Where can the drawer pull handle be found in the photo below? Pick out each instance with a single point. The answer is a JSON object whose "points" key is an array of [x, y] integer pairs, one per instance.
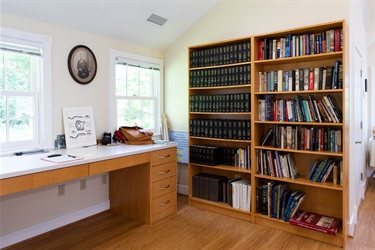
{"points": [[165, 172], [165, 156], [165, 203], [162, 188]]}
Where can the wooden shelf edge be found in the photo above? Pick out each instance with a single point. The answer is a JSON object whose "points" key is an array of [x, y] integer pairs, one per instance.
{"points": [[301, 92], [300, 151], [221, 66], [332, 124], [237, 86], [224, 167], [307, 58], [219, 139], [221, 208], [303, 181], [337, 240]]}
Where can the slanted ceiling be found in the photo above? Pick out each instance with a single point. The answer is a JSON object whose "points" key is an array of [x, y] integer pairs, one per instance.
{"points": [[118, 19]]}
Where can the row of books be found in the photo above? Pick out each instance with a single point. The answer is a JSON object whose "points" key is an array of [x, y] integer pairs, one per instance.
{"points": [[276, 164], [299, 110], [321, 170], [316, 222], [300, 45], [302, 79], [276, 200], [320, 139], [221, 129], [237, 102], [220, 55], [224, 76], [235, 192], [213, 155]]}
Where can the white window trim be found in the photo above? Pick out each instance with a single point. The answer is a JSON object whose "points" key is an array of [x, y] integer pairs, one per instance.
{"points": [[136, 59], [45, 42]]}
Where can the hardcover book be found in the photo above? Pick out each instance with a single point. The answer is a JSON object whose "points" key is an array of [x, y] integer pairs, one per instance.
{"points": [[317, 222]]}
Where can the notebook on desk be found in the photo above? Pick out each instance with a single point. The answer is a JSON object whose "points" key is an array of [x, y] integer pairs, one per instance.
{"points": [[61, 158]]}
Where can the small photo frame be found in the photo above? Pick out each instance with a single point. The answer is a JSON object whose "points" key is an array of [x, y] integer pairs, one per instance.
{"points": [[79, 127], [82, 64]]}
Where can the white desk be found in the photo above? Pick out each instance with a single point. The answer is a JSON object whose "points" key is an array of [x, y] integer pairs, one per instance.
{"points": [[142, 179]]}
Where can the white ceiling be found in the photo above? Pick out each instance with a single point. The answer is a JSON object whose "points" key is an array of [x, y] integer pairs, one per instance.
{"points": [[118, 19]]}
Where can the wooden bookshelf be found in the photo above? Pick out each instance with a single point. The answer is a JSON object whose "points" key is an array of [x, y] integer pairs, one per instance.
{"points": [[326, 198], [219, 77]]}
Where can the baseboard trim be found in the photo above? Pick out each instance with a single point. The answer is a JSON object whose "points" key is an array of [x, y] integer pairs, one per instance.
{"points": [[182, 189], [32, 231], [352, 222]]}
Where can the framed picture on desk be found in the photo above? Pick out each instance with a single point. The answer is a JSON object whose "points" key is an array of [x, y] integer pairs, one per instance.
{"points": [[79, 127]]}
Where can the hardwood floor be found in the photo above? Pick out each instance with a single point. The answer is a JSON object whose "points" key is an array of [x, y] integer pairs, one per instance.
{"points": [[192, 228]]}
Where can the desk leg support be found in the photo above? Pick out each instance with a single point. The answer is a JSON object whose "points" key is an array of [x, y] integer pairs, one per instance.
{"points": [[129, 192]]}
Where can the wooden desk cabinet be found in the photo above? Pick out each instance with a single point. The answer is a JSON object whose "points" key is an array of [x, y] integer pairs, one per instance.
{"points": [[147, 191]]}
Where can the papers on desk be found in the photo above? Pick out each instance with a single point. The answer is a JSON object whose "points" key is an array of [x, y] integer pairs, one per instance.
{"points": [[61, 158]]}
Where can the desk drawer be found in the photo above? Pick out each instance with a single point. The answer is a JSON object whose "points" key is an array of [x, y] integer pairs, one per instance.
{"points": [[162, 187], [163, 171], [164, 202], [118, 163], [163, 156]]}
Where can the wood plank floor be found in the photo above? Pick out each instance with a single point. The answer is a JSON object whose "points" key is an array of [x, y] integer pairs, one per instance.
{"points": [[191, 228]]}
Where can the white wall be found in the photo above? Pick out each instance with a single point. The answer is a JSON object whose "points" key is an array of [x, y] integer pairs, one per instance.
{"points": [[22, 210]]}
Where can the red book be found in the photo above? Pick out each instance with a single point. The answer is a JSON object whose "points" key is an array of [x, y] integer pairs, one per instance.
{"points": [[337, 40], [260, 50], [317, 222], [311, 79]]}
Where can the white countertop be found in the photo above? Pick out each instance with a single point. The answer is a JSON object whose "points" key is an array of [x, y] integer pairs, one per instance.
{"points": [[12, 166]]}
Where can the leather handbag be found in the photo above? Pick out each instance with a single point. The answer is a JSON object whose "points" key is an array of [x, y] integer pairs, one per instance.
{"points": [[136, 135]]}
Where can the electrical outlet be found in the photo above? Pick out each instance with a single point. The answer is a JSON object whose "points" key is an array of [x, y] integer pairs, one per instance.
{"points": [[61, 190], [82, 184], [104, 179]]}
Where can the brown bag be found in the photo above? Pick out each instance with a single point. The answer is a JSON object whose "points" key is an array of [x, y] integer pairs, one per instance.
{"points": [[136, 135]]}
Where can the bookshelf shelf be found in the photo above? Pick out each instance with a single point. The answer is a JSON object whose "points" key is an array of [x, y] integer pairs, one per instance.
{"points": [[218, 139], [303, 181], [301, 123], [221, 66], [225, 168], [300, 59], [309, 152], [302, 92], [273, 82]]}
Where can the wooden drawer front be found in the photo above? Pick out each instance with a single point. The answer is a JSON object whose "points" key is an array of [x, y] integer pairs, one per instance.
{"points": [[163, 171], [162, 187], [164, 202], [30, 181], [118, 163], [163, 156]]}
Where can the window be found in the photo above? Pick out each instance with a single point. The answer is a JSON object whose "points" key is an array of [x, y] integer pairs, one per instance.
{"points": [[136, 91], [25, 101]]}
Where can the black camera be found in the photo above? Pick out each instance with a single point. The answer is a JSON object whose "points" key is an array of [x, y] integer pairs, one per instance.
{"points": [[106, 138]]}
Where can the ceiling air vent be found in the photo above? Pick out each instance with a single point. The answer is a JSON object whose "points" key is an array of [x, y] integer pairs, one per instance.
{"points": [[157, 19]]}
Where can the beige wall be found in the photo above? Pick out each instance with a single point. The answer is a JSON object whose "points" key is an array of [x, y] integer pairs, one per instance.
{"points": [[65, 91]]}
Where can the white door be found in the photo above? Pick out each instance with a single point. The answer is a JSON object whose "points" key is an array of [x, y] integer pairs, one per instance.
{"points": [[356, 167]]}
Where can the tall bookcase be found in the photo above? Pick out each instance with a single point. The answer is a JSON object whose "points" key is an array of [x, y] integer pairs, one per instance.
{"points": [[219, 101], [324, 198], [274, 93]]}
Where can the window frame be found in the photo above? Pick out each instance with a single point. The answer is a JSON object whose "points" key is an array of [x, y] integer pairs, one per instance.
{"points": [[44, 131], [136, 60]]}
